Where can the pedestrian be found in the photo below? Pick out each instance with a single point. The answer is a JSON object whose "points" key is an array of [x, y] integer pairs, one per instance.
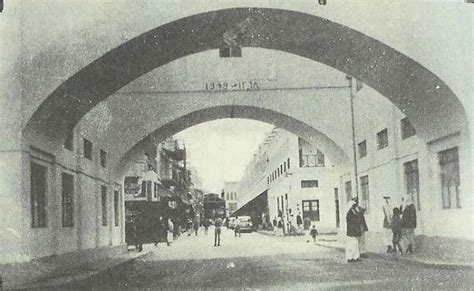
{"points": [[314, 233], [170, 232], [396, 231], [189, 226], [306, 223], [237, 229], [206, 225], [363, 225], [408, 223], [161, 234], [196, 225], [299, 220], [354, 231], [387, 223], [139, 226], [217, 231]]}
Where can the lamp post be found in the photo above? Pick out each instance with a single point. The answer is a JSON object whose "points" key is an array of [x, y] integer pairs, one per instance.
{"points": [[354, 146], [285, 210]]}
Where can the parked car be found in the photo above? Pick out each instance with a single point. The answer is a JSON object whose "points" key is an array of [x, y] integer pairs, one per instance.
{"points": [[231, 223], [245, 223]]}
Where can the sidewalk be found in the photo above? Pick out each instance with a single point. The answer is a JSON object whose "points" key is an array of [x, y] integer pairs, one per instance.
{"points": [[427, 258], [64, 274]]}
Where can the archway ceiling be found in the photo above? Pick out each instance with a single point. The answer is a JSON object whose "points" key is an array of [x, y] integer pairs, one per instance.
{"points": [[416, 91]]}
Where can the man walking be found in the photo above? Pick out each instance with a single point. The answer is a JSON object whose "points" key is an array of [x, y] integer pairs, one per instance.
{"points": [[408, 223], [206, 226], [360, 212], [217, 232], [196, 225], [387, 223]]}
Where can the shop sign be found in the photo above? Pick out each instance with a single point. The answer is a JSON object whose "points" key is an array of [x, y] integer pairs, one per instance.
{"points": [[132, 186]]}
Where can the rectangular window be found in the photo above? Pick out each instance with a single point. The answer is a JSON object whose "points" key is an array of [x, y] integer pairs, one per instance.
{"points": [[288, 163], [362, 149], [336, 202], [155, 190], [450, 182], [268, 180], [69, 142], [364, 187], [348, 188], [103, 158], [284, 166], [313, 160], [311, 209], [148, 190], [278, 172], [67, 182], [407, 130], [104, 205], [87, 149], [116, 208], [143, 194], [230, 52], [382, 139], [309, 183], [281, 169], [38, 195], [278, 206], [319, 159], [412, 183]]}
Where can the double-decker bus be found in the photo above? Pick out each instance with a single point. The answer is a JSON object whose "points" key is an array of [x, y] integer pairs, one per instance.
{"points": [[213, 206]]}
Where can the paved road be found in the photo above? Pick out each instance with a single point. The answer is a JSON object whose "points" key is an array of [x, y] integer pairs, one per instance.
{"points": [[255, 261]]}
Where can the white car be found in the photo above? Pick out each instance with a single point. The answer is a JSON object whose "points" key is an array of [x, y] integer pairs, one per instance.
{"points": [[245, 223]]}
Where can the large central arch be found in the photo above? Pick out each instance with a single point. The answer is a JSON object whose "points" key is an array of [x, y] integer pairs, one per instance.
{"points": [[420, 94]]}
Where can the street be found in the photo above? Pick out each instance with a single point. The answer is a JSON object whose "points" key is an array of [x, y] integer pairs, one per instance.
{"points": [[257, 261]]}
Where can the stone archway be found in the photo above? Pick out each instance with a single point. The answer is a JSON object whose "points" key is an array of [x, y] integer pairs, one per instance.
{"points": [[420, 94]]}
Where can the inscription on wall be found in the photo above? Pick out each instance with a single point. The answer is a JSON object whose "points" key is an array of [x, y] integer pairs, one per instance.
{"points": [[231, 86]]}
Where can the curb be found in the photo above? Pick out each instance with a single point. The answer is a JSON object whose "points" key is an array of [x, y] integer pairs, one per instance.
{"points": [[407, 259], [76, 277]]}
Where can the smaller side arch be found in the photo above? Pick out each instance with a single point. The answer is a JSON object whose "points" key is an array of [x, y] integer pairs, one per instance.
{"points": [[333, 151]]}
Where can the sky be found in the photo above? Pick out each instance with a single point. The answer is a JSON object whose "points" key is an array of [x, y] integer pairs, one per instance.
{"points": [[221, 149]]}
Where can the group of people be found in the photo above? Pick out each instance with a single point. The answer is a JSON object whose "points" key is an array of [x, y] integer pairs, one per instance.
{"points": [[399, 223], [196, 223]]}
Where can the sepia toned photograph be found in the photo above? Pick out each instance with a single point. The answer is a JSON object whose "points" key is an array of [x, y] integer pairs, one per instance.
{"points": [[236, 145]]}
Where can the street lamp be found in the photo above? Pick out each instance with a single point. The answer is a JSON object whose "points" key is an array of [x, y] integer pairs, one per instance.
{"points": [[285, 215]]}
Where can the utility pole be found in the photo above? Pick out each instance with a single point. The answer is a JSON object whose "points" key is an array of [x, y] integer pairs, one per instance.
{"points": [[354, 146]]}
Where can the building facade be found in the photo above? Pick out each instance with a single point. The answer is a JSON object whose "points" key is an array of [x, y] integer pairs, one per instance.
{"points": [[296, 179], [393, 161], [230, 197]]}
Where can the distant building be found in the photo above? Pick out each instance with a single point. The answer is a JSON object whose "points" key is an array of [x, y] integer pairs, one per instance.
{"points": [[195, 178], [230, 197]]}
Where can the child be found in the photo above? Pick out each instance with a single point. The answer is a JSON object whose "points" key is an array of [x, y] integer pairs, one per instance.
{"points": [[314, 233], [397, 231]]}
